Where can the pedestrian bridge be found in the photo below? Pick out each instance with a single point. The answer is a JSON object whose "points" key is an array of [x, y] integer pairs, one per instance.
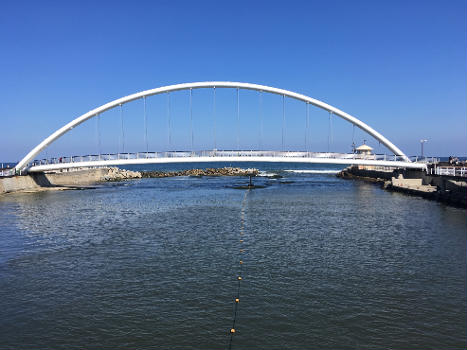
{"points": [[396, 159], [223, 156]]}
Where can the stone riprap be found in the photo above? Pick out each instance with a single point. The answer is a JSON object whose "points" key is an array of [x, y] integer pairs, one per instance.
{"points": [[226, 171], [117, 174]]}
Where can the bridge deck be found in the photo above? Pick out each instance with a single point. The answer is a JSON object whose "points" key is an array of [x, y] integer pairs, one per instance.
{"points": [[221, 156]]}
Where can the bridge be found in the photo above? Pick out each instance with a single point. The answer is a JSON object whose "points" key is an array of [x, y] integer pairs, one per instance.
{"points": [[396, 159]]}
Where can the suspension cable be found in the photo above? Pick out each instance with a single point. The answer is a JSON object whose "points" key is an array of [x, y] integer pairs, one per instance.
{"points": [[353, 133], [260, 120], [123, 130], [145, 127], [169, 136], [214, 115], [98, 134], [330, 132], [238, 119], [307, 125], [283, 121], [191, 118]]}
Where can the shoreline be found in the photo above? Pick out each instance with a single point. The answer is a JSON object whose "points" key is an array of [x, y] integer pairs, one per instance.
{"points": [[446, 189], [87, 178]]}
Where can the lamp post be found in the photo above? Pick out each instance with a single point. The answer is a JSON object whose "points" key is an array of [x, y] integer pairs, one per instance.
{"points": [[421, 144]]}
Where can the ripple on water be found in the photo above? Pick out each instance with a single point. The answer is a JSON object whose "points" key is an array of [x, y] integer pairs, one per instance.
{"points": [[329, 263]]}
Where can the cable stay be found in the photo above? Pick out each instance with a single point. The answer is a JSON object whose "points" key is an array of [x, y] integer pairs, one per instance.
{"points": [[122, 129], [98, 135], [169, 136], [191, 119], [214, 115], [238, 119], [145, 127], [307, 125], [330, 132], [260, 95], [354, 147], [283, 121]]}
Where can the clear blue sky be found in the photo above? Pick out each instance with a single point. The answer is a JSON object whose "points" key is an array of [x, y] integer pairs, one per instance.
{"points": [[400, 66]]}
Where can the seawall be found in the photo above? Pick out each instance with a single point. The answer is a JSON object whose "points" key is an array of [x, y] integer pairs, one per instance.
{"points": [[447, 189], [63, 180]]}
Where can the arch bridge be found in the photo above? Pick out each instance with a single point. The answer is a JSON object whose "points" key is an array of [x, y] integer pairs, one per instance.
{"points": [[397, 159]]}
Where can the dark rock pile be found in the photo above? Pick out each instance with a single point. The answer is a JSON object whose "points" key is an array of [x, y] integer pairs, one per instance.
{"points": [[226, 171]]}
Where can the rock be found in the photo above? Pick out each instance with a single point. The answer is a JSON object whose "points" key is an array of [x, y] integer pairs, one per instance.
{"points": [[116, 174], [226, 171]]}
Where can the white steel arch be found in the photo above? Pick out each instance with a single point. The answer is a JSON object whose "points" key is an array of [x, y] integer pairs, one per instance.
{"points": [[208, 84]]}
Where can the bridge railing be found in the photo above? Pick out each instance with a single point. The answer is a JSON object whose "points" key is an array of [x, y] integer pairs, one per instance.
{"points": [[450, 171], [423, 159], [7, 172], [225, 153]]}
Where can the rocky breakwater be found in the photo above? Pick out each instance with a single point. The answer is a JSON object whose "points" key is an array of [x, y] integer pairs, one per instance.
{"points": [[116, 174], [226, 171]]}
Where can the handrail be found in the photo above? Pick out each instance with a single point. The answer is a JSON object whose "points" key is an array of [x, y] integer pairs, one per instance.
{"points": [[224, 153]]}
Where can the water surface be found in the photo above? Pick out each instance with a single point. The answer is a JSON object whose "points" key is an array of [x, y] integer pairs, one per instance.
{"points": [[152, 263]]}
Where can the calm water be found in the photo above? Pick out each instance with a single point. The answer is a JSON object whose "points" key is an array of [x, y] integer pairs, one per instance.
{"points": [[152, 263]]}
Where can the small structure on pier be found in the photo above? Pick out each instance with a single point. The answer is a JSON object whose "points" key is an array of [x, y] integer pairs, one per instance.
{"points": [[364, 149], [366, 152]]}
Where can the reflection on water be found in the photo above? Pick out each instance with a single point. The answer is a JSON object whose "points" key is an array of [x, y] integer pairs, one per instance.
{"points": [[151, 263]]}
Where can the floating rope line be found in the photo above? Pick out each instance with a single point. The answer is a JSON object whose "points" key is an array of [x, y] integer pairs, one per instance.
{"points": [[240, 261]]}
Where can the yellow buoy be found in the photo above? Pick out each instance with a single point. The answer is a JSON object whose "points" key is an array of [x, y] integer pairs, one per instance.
{"points": [[241, 262], [237, 300], [232, 330], [239, 278]]}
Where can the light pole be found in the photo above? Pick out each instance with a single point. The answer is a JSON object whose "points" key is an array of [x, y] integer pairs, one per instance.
{"points": [[421, 144]]}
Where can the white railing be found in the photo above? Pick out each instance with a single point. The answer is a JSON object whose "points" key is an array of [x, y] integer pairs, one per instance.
{"points": [[451, 171], [7, 172], [222, 153]]}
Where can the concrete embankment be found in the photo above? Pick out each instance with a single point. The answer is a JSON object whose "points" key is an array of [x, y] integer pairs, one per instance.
{"points": [[34, 182], [447, 189]]}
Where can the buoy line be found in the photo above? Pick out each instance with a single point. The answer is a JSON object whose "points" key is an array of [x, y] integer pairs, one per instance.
{"points": [[240, 263]]}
